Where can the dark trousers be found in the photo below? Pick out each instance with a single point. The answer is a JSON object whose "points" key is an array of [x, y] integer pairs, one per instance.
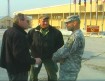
{"points": [[51, 68], [18, 77]]}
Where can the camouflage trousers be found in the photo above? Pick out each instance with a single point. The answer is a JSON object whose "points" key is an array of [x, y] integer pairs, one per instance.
{"points": [[68, 76]]}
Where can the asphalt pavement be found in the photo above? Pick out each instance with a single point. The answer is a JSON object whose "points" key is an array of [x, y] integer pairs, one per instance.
{"points": [[93, 65]]}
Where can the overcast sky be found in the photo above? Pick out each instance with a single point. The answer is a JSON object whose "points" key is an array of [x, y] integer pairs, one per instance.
{"points": [[18, 5]]}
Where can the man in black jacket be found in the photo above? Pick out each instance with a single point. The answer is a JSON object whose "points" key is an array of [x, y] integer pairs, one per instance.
{"points": [[44, 41], [15, 56]]}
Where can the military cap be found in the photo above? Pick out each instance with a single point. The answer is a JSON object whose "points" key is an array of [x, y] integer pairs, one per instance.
{"points": [[43, 16], [72, 18]]}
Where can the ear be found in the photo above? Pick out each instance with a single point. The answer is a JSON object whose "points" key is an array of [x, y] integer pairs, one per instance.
{"points": [[75, 22], [39, 21]]}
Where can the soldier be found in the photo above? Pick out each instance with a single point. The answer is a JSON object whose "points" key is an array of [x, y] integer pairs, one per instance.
{"points": [[70, 55]]}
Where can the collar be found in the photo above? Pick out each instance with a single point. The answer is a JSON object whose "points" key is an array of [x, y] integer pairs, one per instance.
{"points": [[19, 28]]}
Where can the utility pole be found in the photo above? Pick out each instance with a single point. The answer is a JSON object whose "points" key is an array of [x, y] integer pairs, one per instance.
{"points": [[8, 7], [8, 20]]}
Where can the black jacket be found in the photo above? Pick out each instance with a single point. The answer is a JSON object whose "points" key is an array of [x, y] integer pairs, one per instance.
{"points": [[15, 56], [44, 46]]}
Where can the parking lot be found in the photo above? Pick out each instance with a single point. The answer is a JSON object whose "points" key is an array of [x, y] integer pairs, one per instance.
{"points": [[93, 65]]}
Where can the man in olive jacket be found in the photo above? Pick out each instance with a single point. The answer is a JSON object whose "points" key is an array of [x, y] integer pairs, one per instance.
{"points": [[15, 56], [45, 40]]}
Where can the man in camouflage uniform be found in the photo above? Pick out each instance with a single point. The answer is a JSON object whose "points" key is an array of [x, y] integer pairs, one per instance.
{"points": [[70, 55]]}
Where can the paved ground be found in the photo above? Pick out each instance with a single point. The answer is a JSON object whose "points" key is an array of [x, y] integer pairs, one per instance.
{"points": [[93, 65]]}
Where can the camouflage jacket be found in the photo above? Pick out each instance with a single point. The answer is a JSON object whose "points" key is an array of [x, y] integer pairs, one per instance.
{"points": [[70, 55]]}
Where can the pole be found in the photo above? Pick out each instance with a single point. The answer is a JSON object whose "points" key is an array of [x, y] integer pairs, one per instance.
{"points": [[85, 14], [75, 10], [102, 15], [90, 11], [8, 7], [79, 8], [51, 18], [85, 19], [96, 11], [75, 7], [8, 13], [70, 8]]}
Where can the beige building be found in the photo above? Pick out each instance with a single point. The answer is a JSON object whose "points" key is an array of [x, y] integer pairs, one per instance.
{"points": [[6, 22], [92, 14]]}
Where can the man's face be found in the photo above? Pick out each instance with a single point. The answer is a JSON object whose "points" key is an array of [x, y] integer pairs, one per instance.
{"points": [[24, 23], [44, 23], [70, 26]]}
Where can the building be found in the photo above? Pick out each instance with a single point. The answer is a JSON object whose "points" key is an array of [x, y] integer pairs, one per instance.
{"points": [[91, 14], [6, 22]]}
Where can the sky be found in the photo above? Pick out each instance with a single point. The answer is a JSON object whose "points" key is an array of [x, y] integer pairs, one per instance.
{"points": [[19, 5]]}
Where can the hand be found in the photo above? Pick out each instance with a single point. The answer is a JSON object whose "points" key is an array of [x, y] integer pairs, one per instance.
{"points": [[38, 60]]}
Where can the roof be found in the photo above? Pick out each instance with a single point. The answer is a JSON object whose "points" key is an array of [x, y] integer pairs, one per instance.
{"points": [[6, 18], [65, 8]]}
